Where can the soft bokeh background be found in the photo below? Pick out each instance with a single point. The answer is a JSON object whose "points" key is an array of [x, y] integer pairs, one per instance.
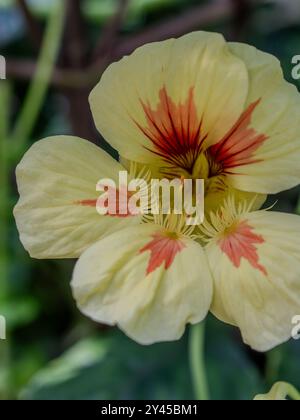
{"points": [[52, 352]]}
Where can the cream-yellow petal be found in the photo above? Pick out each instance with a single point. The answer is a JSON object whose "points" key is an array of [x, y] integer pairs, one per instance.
{"points": [[256, 269], [269, 160], [149, 283], [170, 96], [56, 214]]}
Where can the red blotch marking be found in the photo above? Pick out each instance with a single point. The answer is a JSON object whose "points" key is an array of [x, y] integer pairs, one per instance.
{"points": [[241, 244], [118, 199], [163, 250], [239, 145], [174, 130]]}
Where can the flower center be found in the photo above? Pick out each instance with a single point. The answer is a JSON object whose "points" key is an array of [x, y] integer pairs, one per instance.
{"points": [[177, 135]]}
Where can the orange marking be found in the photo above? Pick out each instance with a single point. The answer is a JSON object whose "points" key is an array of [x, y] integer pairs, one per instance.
{"points": [[163, 250], [241, 244]]}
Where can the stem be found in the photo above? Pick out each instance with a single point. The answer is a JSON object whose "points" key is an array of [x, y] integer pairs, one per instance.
{"points": [[39, 85], [274, 359], [197, 364]]}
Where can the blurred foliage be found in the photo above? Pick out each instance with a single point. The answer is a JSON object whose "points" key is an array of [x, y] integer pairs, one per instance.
{"points": [[52, 352], [118, 368]]}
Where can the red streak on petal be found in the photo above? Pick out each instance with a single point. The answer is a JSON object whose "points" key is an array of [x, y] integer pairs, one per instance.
{"points": [[163, 250], [117, 198], [239, 145], [174, 130], [241, 244], [87, 203]]}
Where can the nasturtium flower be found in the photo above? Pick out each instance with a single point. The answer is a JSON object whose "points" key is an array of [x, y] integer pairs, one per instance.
{"points": [[191, 108], [281, 391]]}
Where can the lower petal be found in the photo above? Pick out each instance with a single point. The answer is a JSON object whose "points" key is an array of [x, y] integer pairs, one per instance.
{"points": [[257, 277], [146, 281]]}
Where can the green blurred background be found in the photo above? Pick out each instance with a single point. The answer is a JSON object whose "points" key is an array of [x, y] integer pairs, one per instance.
{"points": [[51, 351]]}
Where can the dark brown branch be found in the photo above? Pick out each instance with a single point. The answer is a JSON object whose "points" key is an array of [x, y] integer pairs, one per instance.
{"points": [[74, 55], [109, 34], [241, 14], [33, 27], [63, 78], [75, 45], [196, 18]]}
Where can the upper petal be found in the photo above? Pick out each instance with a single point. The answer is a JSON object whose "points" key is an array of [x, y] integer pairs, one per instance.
{"points": [[146, 280], [167, 98], [262, 155], [56, 214], [257, 276]]}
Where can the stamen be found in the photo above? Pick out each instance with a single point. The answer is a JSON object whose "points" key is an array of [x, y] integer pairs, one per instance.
{"points": [[175, 223], [226, 217], [230, 230]]}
